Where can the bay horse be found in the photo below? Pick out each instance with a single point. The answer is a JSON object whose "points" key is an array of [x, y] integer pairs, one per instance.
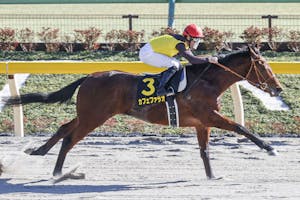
{"points": [[102, 95]]}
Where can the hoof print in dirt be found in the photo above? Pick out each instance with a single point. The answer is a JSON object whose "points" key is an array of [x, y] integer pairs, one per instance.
{"points": [[68, 175]]}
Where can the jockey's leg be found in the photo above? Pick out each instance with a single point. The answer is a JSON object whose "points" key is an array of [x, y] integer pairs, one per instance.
{"points": [[166, 76]]}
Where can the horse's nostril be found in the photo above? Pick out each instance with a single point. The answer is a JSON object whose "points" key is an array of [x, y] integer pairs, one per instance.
{"points": [[277, 91]]}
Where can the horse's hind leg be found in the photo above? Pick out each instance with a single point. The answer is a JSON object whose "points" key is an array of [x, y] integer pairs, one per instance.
{"points": [[62, 132], [70, 140]]}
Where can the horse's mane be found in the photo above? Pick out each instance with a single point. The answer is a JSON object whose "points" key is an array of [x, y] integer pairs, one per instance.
{"points": [[225, 58], [222, 58]]}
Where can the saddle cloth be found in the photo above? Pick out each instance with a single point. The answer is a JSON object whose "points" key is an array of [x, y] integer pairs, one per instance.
{"points": [[147, 87], [146, 93]]}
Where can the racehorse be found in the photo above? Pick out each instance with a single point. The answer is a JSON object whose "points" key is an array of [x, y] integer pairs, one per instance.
{"points": [[102, 95]]}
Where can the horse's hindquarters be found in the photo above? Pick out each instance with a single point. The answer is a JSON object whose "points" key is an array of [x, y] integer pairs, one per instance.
{"points": [[103, 95]]}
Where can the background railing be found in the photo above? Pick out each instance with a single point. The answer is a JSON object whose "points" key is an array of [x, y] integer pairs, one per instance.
{"points": [[140, 1], [149, 23]]}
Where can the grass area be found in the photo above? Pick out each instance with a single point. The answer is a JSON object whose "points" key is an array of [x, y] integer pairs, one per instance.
{"points": [[3, 79], [47, 118], [282, 56], [156, 8]]}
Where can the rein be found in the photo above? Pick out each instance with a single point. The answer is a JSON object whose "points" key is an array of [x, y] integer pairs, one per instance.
{"points": [[201, 74], [262, 84]]}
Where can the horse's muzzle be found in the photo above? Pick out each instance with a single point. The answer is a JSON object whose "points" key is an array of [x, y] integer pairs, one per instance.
{"points": [[275, 91]]}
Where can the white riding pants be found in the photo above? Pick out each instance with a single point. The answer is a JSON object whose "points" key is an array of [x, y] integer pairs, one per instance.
{"points": [[148, 56]]}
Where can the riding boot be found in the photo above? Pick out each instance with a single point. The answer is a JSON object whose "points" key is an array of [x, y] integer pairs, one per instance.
{"points": [[166, 76]]}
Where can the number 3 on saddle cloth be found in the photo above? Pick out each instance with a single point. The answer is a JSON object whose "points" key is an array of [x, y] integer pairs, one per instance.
{"points": [[147, 87]]}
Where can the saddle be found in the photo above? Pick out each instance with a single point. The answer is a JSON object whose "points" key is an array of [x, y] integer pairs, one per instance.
{"points": [[147, 88]]}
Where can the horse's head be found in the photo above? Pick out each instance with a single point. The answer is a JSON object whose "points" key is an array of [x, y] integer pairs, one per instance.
{"points": [[260, 74]]}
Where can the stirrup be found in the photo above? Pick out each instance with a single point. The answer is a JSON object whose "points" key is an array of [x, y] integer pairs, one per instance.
{"points": [[162, 91], [170, 91]]}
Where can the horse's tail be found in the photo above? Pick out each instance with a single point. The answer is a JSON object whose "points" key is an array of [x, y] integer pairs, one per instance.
{"points": [[61, 96]]}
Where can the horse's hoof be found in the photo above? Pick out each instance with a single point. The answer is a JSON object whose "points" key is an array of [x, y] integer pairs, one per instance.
{"points": [[77, 176], [273, 152], [214, 178], [57, 174], [1, 169], [30, 151]]}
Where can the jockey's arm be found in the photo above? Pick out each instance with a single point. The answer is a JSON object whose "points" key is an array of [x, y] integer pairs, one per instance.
{"points": [[187, 54]]}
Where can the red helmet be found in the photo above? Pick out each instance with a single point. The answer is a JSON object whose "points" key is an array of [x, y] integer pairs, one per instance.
{"points": [[193, 30]]}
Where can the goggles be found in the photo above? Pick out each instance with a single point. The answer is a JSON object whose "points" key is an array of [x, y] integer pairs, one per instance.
{"points": [[196, 42], [195, 39]]}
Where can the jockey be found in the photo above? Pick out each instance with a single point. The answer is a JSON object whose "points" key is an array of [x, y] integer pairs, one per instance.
{"points": [[161, 52]]}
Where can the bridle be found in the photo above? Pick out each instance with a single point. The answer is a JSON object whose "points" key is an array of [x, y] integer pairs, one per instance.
{"points": [[262, 81]]}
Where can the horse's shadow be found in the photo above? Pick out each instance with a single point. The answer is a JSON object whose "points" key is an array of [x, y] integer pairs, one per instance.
{"points": [[6, 188]]}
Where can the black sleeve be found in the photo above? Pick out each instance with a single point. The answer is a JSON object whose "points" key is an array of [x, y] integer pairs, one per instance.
{"points": [[189, 55]]}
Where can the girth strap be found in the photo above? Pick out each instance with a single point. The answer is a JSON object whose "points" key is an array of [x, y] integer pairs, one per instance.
{"points": [[172, 109]]}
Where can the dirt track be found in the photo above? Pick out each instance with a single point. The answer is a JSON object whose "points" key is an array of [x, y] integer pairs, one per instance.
{"points": [[152, 167]]}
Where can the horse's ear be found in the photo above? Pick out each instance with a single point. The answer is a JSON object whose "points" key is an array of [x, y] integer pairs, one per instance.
{"points": [[253, 50], [256, 46], [241, 48]]}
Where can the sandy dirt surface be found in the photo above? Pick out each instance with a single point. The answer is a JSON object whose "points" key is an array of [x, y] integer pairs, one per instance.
{"points": [[152, 167]]}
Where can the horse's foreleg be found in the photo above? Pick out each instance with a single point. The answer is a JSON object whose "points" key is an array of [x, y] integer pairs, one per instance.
{"points": [[1, 168], [222, 122], [62, 132], [259, 142], [203, 134]]}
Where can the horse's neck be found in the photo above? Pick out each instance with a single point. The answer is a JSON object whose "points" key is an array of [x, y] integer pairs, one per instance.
{"points": [[227, 78], [224, 79]]}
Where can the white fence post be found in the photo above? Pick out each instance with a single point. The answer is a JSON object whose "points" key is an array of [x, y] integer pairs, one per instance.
{"points": [[238, 107], [18, 111]]}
